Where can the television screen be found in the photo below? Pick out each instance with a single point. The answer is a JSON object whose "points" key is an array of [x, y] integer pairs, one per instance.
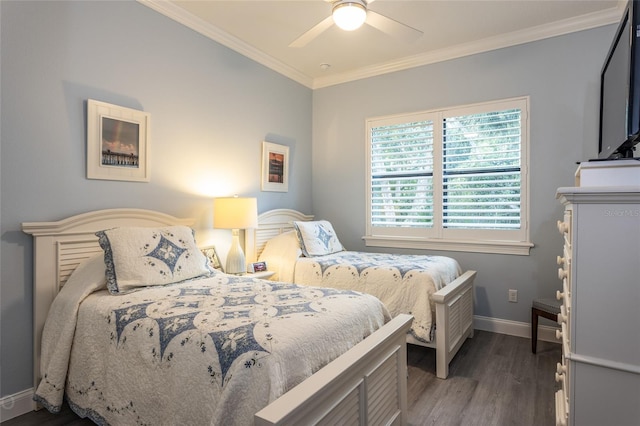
{"points": [[619, 99]]}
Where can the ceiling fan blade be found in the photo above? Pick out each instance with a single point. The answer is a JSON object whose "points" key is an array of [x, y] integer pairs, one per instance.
{"points": [[392, 27], [312, 33]]}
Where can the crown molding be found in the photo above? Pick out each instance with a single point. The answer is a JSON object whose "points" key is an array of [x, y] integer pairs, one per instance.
{"points": [[180, 15], [541, 32]]}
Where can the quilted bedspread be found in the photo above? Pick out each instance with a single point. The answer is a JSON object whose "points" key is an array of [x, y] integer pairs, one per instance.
{"points": [[208, 351], [404, 283]]}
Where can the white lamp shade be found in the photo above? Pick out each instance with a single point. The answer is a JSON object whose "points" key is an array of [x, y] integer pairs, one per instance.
{"points": [[349, 15], [235, 213]]}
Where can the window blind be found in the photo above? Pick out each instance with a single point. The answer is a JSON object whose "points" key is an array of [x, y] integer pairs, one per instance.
{"points": [[453, 178], [402, 175], [481, 171]]}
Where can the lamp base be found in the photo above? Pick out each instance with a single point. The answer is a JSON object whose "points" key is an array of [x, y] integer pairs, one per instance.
{"points": [[236, 263]]}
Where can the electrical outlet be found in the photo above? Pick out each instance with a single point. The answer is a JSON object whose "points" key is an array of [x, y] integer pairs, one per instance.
{"points": [[513, 295]]}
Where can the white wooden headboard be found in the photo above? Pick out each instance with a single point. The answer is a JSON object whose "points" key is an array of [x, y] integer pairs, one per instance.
{"points": [[59, 247], [270, 224]]}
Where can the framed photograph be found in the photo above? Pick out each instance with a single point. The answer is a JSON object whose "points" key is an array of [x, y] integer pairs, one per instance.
{"points": [[212, 255], [257, 267], [117, 142], [275, 167]]}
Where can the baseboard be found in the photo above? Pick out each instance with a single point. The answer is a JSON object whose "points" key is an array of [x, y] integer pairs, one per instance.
{"points": [[16, 405], [514, 328]]}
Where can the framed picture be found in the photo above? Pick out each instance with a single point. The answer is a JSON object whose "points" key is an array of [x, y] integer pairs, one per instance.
{"points": [[275, 167], [117, 142], [212, 255], [257, 267]]}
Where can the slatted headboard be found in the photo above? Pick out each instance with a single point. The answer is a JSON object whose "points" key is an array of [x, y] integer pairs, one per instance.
{"points": [[59, 247], [270, 224]]}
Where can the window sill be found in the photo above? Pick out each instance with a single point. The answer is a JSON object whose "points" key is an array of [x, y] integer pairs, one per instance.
{"points": [[495, 247]]}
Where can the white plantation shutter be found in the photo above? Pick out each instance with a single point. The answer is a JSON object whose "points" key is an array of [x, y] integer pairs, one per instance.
{"points": [[481, 171], [450, 178], [402, 175]]}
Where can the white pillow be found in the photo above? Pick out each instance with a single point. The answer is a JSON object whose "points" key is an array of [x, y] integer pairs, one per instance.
{"points": [[317, 238], [87, 277], [280, 253], [139, 257]]}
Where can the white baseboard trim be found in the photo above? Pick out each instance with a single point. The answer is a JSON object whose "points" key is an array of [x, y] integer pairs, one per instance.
{"points": [[16, 405], [514, 328]]}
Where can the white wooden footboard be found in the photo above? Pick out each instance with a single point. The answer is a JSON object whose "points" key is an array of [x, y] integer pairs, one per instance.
{"points": [[366, 385], [454, 319]]}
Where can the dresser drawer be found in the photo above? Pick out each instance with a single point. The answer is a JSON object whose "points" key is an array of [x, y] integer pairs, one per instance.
{"points": [[562, 415], [564, 296], [564, 226], [563, 376], [563, 335], [563, 316]]}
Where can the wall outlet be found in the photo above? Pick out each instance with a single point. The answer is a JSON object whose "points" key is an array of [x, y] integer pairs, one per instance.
{"points": [[513, 296]]}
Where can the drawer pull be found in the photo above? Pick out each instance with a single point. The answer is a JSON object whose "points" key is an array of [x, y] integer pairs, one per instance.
{"points": [[561, 369], [559, 295], [563, 227], [562, 316], [558, 334], [562, 274], [560, 260], [558, 377]]}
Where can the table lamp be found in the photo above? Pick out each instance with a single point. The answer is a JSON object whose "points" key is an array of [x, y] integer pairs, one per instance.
{"points": [[235, 213]]}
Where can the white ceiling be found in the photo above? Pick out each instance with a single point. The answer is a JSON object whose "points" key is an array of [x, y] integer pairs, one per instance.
{"points": [[262, 30]]}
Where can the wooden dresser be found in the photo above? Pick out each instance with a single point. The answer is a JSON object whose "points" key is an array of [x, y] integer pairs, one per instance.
{"points": [[600, 314]]}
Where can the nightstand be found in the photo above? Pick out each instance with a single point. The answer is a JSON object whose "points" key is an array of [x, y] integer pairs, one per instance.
{"points": [[264, 275]]}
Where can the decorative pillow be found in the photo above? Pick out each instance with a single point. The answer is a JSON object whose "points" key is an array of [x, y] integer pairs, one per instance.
{"points": [[281, 253], [139, 257], [317, 238]]}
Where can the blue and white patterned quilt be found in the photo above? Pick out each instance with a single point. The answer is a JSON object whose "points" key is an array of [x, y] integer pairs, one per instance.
{"points": [[207, 351], [404, 283]]}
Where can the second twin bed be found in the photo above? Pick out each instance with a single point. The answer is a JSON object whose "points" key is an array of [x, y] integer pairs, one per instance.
{"points": [[307, 252]]}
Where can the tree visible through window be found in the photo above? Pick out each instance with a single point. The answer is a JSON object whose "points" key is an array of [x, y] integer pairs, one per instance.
{"points": [[455, 174]]}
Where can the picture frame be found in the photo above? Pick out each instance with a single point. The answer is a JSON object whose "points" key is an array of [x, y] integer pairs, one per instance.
{"points": [[257, 267], [212, 256], [117, 142], [275, 167]]}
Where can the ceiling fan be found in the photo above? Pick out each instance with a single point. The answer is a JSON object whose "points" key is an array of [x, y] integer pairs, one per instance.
{"points": [[350, 15]]}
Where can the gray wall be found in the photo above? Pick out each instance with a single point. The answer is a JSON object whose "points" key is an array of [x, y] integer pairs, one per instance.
{"points": [[210, 108], [561, 76]]}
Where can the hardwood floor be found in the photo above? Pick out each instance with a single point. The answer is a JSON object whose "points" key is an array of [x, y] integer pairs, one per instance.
{"points": [[494, 380]]}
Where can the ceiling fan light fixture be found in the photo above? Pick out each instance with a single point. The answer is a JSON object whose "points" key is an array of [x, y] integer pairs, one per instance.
{"points": [[349, 15]]}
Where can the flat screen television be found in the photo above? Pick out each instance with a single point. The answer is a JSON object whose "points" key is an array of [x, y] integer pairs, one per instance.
{"points": [[620, 89]]}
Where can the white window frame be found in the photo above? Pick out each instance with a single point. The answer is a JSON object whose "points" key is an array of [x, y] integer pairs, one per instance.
{"points": [[437, 238]]}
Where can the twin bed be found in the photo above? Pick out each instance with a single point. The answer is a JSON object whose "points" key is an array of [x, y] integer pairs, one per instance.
{"points": [[433, 289], [213, 348]]}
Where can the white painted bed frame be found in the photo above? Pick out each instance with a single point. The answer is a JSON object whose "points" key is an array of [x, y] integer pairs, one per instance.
{"points": [[367, 384], [454, 302]]}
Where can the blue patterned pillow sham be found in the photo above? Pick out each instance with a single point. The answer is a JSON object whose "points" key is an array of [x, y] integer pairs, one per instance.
{"points": [[139, 257], [317, 238]]}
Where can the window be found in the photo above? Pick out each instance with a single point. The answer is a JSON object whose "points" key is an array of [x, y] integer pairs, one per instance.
{"points": [[450, 179]]}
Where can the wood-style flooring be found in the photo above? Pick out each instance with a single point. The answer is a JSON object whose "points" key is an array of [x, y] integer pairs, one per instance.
{"points": [[494, 380]]}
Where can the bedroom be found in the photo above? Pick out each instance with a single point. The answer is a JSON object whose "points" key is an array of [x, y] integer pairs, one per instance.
{"points": [[211, 108]]}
